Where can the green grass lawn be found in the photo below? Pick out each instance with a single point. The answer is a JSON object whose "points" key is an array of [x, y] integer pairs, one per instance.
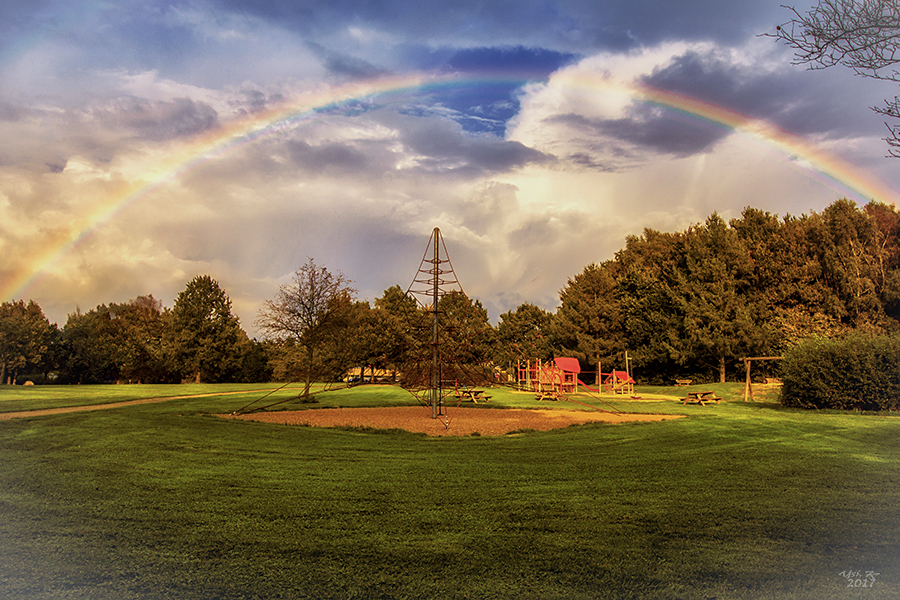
{"points": [[158, 501], [15, 398]]}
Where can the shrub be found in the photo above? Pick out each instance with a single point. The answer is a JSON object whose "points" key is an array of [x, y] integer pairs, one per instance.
{"points": [[857, 372]]}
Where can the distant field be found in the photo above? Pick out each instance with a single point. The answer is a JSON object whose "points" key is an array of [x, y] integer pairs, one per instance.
{"points": [[166, 500]]}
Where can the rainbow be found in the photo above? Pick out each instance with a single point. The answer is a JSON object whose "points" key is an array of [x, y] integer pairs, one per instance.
{"points": [[216, 144]]}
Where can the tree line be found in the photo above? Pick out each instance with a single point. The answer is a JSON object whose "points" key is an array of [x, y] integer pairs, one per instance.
{"points": [[685, 304]]}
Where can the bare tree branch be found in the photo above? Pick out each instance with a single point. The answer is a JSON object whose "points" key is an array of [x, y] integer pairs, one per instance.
{"points": [[862, 35], [307, 309]]}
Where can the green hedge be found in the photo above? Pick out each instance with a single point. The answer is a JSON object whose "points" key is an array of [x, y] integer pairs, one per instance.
{"points": [[858, 372]]}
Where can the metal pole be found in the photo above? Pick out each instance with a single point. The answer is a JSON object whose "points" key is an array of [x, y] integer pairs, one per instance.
{"points": [[435, 359]]}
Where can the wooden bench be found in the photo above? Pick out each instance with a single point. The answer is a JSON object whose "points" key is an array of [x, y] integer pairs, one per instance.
{"points": [[681, 382]]}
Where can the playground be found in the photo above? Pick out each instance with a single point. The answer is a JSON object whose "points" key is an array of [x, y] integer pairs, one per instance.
{"points": [[560, 378]]}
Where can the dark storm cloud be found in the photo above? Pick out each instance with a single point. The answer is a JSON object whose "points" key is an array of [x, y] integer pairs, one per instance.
{"points": [[345, 66], [646, 127], [530, 62], [797, 101], [562, 24], [11, 112], [181, 117], [328, 158], [802, 103], [444, 147]]}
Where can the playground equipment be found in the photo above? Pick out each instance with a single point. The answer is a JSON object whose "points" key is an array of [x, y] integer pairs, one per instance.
{"points": [[619, 382], [445, 356], [559, 378], [550, 381]]}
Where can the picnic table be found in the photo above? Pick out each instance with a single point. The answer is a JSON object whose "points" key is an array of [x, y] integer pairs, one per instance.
{"points": [[701, 397], [548, 396], [473, 395]]}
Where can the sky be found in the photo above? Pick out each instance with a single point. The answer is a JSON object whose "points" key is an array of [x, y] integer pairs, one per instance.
{"points": [[147, 142]]}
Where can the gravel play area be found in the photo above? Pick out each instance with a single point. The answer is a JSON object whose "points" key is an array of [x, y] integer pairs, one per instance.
{"points": [[462, 421]]}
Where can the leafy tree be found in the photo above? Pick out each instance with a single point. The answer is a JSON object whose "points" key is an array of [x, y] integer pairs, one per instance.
{"points": [[116, 342], [467, 336], [719, 322], [886, 221], [651, 319], [384, 334], [308, 310], [862, 35], [255, 367], [356, 338], [140, 328], [90, 354], [587, 325], [204, 340], [849, 255], [523, 334], [26, 338]]}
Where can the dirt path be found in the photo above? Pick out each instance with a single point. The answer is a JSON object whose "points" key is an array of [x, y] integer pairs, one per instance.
{"points": [[462, 421]]}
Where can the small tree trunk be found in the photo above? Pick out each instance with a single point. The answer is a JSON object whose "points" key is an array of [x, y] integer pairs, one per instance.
{"points": [[309, 364], [722, 369]]}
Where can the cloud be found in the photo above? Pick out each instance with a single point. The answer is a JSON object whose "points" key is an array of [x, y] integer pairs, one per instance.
{"points": [[157, 121], [646, 128], [441, 146], [344, 66], [751, 83], [567, 25]]}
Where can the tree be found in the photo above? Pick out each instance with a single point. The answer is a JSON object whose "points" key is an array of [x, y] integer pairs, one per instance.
{"points": [[719, 322], [141, 329], [523, 334], [26, 338], [204, 340], [466, 335], [886, 220], [118, 342], [862, 35], [308, 310], [650, 322], [385, 333], [587, 324], [88, 348]]}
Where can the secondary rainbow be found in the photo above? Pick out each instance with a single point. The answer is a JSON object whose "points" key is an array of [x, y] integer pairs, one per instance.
{"points": [[220, 142]]}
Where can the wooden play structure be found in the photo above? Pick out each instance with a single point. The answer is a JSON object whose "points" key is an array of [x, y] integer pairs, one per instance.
{"points": [[550, 380], [618, 382], [557, 379]]}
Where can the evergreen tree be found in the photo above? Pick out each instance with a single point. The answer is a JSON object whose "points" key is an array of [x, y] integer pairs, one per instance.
{"points": [[204, 340], [719, 321], [523, 335], [588, 323]]}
